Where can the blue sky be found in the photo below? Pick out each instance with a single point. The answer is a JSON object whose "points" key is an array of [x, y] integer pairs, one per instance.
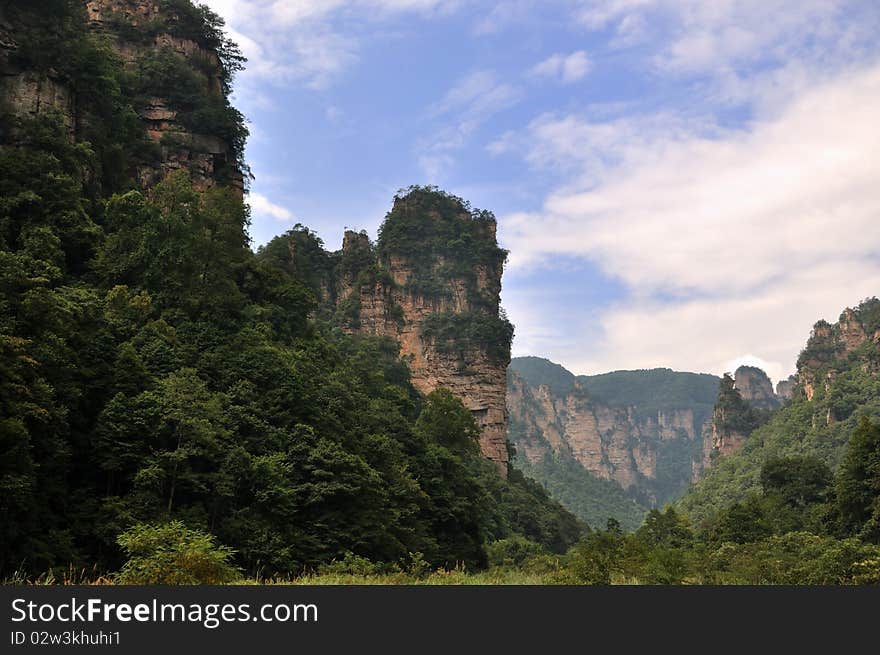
{"points": [[680, 183]]}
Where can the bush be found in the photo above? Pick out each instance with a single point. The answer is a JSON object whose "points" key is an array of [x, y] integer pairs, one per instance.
{"points": [[513, 551], [172, 554], [593, 560], [351, 564]]}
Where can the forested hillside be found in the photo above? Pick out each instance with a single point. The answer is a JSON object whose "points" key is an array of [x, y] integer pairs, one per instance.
{"points": [[837, 386], [155, 372]]}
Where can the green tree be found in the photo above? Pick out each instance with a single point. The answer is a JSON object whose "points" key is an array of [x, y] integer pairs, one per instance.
{"points": [[857, 485]]}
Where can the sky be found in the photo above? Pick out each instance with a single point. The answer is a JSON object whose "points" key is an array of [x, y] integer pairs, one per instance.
{"points": [[680, 183]]}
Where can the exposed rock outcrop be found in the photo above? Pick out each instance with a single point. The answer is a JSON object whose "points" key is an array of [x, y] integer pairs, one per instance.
{"points": [[785, 388], [755, 387], [207, 157], [136, 29], [649, 451], [830, 342], [440, 304]]}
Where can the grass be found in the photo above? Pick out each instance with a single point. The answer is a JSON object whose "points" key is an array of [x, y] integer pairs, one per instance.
{"points": [[492, 576]]}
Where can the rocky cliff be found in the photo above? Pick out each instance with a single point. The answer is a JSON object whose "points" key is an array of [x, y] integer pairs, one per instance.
{"points": [[755, 387], [181, 69], [829, 343], [614, 426], [785, 388], [434, 286], [745, 402], [432, 283]]}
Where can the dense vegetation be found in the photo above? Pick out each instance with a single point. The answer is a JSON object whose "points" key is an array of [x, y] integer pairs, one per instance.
{"points": [[587, 496], [455, 243], [652, 390], [803, 525], [160, 383], [818, 428], [537, 371], [732, 413], [457, 333]]}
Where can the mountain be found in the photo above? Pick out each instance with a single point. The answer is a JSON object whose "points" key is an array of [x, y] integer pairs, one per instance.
{"points": [[611, 445], [157, 373], [432, 283], [745, 401], [836, 384]]}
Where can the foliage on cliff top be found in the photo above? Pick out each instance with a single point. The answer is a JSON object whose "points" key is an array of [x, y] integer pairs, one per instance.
{"points": [[732, 413], [442, 238], [653, 390], [189, 20], [52, 39], [459, 334], [825, 346], [819, 428]]}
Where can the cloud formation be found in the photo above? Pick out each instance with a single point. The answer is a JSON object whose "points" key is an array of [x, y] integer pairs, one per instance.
{"points": [[262, 206], [465, 107], [565, 68], [311, 42], [731, 242]]}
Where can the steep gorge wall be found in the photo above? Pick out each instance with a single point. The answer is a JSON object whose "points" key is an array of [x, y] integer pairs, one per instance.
{"points": [[433, 284], [650, 453], [136, 30]]}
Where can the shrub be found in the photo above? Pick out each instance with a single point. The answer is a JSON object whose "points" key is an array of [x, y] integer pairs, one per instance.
{"points": [[513, 551], [172, 554]]}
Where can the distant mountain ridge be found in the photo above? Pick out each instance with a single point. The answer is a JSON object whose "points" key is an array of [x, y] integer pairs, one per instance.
{"points": [[617, 444], [611, 445]]}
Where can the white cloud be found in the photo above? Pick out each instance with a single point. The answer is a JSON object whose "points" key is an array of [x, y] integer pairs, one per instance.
{"points": [[300, 40], [696, 36], [566, 68], [261, 205], [731, 242], [467, 106]]}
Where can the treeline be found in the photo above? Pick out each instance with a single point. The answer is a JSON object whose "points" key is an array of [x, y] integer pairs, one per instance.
{"points": [[805, 526]]}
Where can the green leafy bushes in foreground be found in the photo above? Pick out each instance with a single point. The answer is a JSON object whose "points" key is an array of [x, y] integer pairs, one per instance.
{"points": [[173, 554]]}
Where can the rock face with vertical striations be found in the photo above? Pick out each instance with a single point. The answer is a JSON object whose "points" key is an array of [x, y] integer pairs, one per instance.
{"points": [[640, 429], [182, 66], [432, 283]]}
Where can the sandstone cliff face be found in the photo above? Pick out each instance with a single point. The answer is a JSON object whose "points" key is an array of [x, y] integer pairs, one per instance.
{"points": [[744, 403], [26, 92], [785, 388], [134, 28], [830, 345], [385, 294], [203, 155], [755, 387], [648, 454]]}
